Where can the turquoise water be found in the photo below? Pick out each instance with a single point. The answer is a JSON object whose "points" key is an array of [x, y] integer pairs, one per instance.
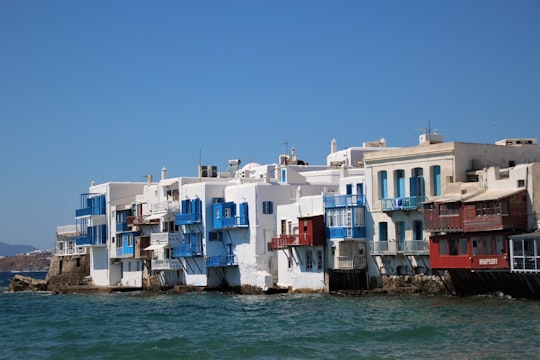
{"points": [[226, 326]]}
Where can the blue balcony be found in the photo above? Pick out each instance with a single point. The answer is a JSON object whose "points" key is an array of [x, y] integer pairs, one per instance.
{"points": [[191, 212], [91, 204], [405, 203], [345, 232], [221, 260], [125, 251], [225, 215], [121, 227], [187, 250], [188, 219], [92, 235], [86, 240], [344, 201], [234, 222]]}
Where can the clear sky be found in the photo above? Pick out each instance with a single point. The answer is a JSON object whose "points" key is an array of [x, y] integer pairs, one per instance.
{"points": [[114, 90]]}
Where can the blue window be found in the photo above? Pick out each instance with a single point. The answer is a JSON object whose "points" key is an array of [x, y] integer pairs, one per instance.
{"points": [[383, 231], [268, 207], [436, 178], [383, 185], [283, 175], [348, 189], [399, 183], [360, 189], [417, 183], [418, 228]]}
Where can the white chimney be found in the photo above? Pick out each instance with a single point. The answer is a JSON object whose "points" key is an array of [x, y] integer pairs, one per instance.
{"points": [[163, 173], [333, 146]]}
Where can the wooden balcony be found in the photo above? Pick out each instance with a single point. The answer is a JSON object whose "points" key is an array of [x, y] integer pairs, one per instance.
{"points": [[284, 241]]}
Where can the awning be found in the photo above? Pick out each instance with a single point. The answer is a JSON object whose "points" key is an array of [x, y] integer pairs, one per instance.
{"points": [[155, 247], [168, 182], [447, 198], [155, 216], [494, 195]]}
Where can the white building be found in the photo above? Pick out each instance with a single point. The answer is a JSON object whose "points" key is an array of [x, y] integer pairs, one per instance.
{"points": [[110, 244]]}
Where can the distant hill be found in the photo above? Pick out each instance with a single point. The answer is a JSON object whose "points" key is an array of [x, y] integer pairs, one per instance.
{"points": [[10, 250]]}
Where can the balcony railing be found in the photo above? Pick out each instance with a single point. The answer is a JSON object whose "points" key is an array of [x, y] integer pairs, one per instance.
{"points": [[187, 219], [125, 251], [405, 203], [236, 221], [413, 246], [187, 250], [87, 240], [283, 241], [345, 232], [164, 238], [140, 220], [344, 200], [165, 206], [378, 247], [120, 227], [221, 260], [91, 204], [73, 251], [351, 262], [166, 264]]}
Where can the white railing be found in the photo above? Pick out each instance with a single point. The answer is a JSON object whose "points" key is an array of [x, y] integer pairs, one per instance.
{"points": [[165, 206], [413, 246], [166, 264], [67, 230], [378, 247], [164, 238], [351, 262], [72, 251]]}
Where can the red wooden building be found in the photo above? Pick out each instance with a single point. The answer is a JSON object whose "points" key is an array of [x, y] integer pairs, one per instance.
{"points": [[311, 232], [472, 232]]}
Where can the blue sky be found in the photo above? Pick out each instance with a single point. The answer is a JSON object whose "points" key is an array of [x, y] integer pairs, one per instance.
{"points": [[114, 90]]}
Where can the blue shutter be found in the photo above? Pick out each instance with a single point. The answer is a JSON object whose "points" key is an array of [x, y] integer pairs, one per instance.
{"points": [[436, 180]]}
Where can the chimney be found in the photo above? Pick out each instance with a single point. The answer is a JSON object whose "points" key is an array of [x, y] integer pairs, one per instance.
{"points": [[163, 173]]}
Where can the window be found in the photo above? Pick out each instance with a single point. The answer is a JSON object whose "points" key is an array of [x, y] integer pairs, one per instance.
{"points": [[399, 183], [348, 189], [383, 185], [436, 180], [309, 260], [453, 244], [360, 189], [418, 230], [172, 195], [449, 209], [129, 266], [443, 247], [463, 246], [215, 235], [319, 259], [485, 208], [268, 207], [383, 231], [284, 175], [416, 182], [289, 259], [521, 183], [400, 230]]}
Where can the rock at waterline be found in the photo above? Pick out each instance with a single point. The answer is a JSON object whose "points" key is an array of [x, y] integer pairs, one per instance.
{"points": [[26, 283]]}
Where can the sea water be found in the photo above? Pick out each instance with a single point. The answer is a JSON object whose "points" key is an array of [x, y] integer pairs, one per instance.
{"points": [[142, 325]]}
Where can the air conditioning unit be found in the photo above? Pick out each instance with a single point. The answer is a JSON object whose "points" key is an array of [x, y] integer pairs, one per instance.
{"points": [[203, 171], [212, 171]]}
